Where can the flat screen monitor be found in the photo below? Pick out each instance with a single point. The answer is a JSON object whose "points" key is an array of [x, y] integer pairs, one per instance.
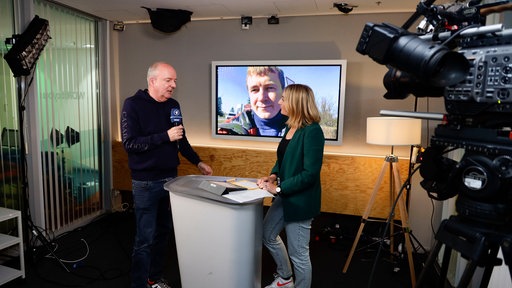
{"points": [[234, 104]]}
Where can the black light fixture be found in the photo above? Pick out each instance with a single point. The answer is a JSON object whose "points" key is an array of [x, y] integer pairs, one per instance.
{"points": [[246, 21], [273, 20], [72, 136], [168, 20], [118, 26], [56, 137], [344, 8], [27, 47]]}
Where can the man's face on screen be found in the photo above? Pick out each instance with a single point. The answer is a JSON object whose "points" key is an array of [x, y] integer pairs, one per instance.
{"points": [[264, 92]]}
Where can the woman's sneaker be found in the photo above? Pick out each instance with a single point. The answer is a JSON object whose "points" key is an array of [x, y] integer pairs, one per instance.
{"points": [[281, 283], [158, 284]]}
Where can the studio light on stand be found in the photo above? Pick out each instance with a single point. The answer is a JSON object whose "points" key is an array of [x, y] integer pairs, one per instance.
{"points": [[390, 131], [22, 58], [72, 136], [56, 137], [27, 47], [56, 140]]}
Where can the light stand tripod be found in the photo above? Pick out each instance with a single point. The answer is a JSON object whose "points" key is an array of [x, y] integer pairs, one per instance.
{"points": [[390, 162], [22, 58], [26, 216], [390, 131]]}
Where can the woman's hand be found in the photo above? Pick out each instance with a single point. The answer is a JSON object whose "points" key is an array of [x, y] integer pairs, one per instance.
{"points": [[267, 183], [272, 178], [262, 181]]}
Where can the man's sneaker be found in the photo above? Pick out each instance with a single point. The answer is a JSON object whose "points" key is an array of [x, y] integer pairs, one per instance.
{"points": [[158, 284], [281, 283]]}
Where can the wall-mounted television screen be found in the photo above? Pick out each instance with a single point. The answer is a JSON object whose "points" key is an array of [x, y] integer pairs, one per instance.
{"points": [[245, 96]]}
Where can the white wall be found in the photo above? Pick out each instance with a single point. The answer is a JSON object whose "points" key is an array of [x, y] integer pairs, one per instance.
{"points": [[192, 49]]}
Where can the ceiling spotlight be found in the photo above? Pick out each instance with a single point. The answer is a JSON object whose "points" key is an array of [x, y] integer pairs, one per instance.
{"points": [[246, 21], [273, 20], [118, 26], [344, 7]]}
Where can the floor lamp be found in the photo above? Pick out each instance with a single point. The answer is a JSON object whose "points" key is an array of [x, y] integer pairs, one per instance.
{"points": [[390, 131]]}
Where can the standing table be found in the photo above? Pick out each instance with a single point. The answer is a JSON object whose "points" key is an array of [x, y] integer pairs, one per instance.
{"points": [[218, 240]]}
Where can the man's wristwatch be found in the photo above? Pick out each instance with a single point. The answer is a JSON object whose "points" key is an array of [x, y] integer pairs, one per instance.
{"points": [[278, 190]]}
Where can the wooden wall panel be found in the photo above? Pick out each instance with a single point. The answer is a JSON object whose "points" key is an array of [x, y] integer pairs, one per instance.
{"points": [[121, 179], [347, 180]]}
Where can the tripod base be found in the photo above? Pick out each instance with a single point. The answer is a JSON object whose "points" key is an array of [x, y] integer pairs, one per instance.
{"points": [[478, 245], [42, 239]]}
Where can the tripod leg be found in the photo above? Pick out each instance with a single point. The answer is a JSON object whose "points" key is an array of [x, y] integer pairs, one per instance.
{"points": [[39, 236], [366, 215], [466, 277], [506, 248], [444, 265], [432, 258], [491, 261], [405, 221], [429, 263]]}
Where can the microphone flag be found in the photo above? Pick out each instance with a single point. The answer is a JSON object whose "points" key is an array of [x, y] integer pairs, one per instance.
{"points": [[176, 118]]}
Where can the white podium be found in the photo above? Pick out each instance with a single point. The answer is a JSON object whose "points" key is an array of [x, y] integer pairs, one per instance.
{"points": [[218, 240]]}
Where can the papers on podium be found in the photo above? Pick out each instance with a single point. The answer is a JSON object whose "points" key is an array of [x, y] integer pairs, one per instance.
{"points": [[243, 196], [240, 191], [252, 192]]}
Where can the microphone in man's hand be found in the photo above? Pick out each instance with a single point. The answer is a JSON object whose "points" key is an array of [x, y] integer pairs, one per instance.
{"points": [[176, 120]]}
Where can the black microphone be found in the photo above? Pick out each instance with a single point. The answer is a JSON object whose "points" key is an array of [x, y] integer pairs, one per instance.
{"points": [[176, 120]]}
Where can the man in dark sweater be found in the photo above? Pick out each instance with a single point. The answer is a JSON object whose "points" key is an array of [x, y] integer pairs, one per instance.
{"points": [[152, 143]]}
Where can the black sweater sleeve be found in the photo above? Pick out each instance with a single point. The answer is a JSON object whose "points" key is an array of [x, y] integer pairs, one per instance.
{"points": [[144, 125]]}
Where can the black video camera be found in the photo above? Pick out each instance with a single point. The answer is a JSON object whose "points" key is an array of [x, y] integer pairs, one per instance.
{"points": [[471, 67]]}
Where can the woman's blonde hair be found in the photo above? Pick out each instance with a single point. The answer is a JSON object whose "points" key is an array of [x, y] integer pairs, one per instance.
{"points": [[300, 105]]}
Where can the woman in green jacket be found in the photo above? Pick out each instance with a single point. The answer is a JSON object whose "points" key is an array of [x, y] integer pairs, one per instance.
{"points": [[295, 182]]}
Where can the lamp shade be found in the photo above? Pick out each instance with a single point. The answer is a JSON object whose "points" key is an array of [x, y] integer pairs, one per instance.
{"points": [[393, 131]]}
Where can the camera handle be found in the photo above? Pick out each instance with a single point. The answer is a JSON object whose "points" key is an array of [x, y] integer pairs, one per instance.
{"points": [[417, 14], [482, 10]]}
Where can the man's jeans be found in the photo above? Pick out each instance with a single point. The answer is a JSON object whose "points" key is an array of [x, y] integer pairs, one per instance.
{"points": [[153, 224]]}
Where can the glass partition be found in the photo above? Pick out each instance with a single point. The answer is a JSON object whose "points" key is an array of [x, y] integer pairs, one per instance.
{"points": [[69, 110], [10, 188]]}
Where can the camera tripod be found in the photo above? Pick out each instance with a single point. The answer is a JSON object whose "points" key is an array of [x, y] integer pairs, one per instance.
{"points": [[478, 244]]}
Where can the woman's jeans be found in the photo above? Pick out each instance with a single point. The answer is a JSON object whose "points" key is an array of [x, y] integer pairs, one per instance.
{"points": [[153, 224], [297, 235]]}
